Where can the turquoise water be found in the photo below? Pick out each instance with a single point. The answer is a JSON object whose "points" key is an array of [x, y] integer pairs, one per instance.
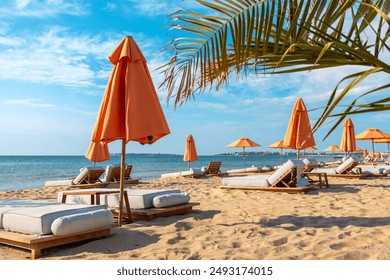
{"points": [[27, 172]]}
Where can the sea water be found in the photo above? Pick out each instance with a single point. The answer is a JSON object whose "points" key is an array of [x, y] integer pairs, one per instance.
{"points": [[29, 172]]}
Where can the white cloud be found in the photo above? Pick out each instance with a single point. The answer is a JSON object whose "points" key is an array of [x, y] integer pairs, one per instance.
{"points": [[43, 8], [27, 102]]}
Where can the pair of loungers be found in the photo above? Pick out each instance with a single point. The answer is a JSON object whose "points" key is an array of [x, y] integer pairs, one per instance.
{"points": [[96, 176], [37, 225]]}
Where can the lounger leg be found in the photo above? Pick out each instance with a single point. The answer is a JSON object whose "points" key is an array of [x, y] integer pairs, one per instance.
{"points": [[35, 253]]}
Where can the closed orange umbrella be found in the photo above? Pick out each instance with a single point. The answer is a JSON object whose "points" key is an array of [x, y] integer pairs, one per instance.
{"points": [[98, 152], [372, 134], [190, 154], [130, 109], [365, 153], [378, 155], [299, 135], [243, 142], [348, 142]]}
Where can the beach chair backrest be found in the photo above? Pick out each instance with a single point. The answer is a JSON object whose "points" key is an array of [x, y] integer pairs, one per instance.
{"points": [[89, 175], [346, 166], [290, 168], [116, 173], [214, 167]]}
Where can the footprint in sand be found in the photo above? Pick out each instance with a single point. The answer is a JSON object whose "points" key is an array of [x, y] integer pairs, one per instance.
{"points": [[279, 242], [180, 226], [337, 246]]}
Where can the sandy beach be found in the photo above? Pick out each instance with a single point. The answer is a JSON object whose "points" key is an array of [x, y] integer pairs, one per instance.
{"points": [[348, 221]]}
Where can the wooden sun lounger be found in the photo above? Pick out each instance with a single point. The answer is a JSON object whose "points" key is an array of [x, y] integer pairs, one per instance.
{"points": [[37, 243], [214, 169], [286, 183], [291, 190]]}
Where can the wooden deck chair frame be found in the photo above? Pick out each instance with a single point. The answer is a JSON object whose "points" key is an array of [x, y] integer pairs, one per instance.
{"points": [[214, 169], [37, 243], [116, 175]]}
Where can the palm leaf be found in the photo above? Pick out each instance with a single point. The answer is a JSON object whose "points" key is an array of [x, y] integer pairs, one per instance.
{"points": [[276, 37]]}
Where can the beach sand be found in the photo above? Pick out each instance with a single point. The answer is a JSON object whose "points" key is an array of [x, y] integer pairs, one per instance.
{"points": [[348, 221]]}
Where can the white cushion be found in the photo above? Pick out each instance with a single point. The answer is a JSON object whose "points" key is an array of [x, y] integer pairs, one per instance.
{"points": [[183, 173], [171, 199], [7, 205], [84, 172], [38, 220], [138, 199], [108, 173], [248, 181], [309, 161], [76, 198], [243, 170], [345, 164], [66, 182], [75, 223], [283, 169]]}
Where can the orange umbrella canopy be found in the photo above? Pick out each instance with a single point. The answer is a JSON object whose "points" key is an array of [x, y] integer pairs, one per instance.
{"points": [[190, 154], [332, 148], [348, 142], [98, 152], [372, 134], [243, 142], [299, 135], [130, 109], [277, 144]]}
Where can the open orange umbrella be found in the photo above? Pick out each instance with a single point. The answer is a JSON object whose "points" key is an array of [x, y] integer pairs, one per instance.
{"points": [[372, 134], [278, 145], [332, 148], [190, 154], [348, 142], [243, 142], [98, 152], [299, 135], [130, 109]]}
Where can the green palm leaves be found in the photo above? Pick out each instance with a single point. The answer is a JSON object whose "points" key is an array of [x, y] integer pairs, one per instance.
{"points": [[242, 37]]}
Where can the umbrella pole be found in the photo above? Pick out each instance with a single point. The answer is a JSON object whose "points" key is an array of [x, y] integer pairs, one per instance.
{"points": [[373, 152], [243, 148]]}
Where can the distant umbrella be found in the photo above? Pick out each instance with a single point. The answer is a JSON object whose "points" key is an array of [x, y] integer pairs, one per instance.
{"points": [[299, 135], [243, 142], [348, 142], [278, 145], [372, 134], [332, 148], [190, 154]]}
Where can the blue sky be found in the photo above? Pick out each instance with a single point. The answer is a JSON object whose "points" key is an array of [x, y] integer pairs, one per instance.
{"points": [[54, 69]]}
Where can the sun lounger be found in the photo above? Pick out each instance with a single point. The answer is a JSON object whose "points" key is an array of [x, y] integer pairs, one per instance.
{"points": [[287, 178], [213, 169], [112, 175], [345, 170], [192, 173], [145, 204], [252, 169], [37, 225], [88, 177]]}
